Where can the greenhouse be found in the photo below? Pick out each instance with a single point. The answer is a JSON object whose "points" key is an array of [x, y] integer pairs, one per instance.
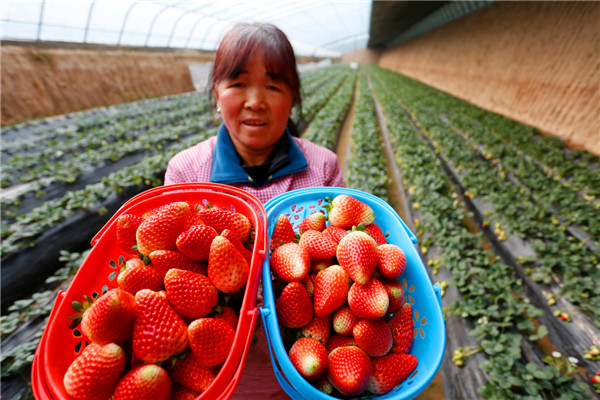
{"points": [[300, 199]]}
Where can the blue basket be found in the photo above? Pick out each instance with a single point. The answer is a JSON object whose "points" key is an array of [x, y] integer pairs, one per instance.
{"points": [[430, 340]]}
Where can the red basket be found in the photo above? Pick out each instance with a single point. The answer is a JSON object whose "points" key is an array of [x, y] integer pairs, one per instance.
{"points": [[60, 345]]}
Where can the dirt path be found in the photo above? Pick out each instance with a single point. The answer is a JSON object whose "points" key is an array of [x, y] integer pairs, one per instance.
{"points": [[345, 137]]}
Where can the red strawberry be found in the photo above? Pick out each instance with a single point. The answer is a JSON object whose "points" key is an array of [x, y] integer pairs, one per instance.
{"points": [[158, 332], [395, 293], [195, 242], [160, 231], [227, 314], [210, 340], [319, 247], [357, 254], [346, 211], [294, 308], [335, 233], [283, 232], [164, 260], [189, 373], [401, 325], [331, 290], [179, 392], [309, 357], [317, 266], [318, 329], [376, 233], [389, 371], [344, 320], [369, 301], [127, 225], [145, 382], [391, 261], [190, 294], [218, 218], [110, 318], [94, 374], [193, 217], [290, 262], [336, 341], [241, 225], [309, 284], [137, 276], [373, 336], [227, 268], [315, 221], [350, 370], [234, 239]]}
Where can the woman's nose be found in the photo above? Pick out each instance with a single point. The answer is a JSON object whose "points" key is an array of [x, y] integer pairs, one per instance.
{"points": [[255, 99]]}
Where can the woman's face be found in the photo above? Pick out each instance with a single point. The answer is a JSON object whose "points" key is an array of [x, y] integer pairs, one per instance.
{"points": [[255, 108]]}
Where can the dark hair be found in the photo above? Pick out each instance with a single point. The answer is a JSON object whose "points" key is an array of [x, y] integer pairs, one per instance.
{"points": [[244, 40]]}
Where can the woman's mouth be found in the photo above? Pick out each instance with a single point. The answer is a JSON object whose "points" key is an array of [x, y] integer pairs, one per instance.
{"points": [[254, 122]]}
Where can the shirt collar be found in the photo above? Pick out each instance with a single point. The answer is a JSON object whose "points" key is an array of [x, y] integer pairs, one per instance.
{"points": [[226, 166]]}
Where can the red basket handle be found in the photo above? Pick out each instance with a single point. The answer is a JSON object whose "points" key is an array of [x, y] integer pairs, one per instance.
{"points": [[157, 191]]}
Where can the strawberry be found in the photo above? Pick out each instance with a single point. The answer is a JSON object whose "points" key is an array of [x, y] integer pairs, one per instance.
{"points": [[373, 336], [350, 370], [241, 225], [309, 357], [344, 320], [389, 371], [335, 233], [290, 262], [233, 238], [317, 266], [391, 261], [94, 374], [158, 332], [336, 341], [193, 217], [346, 211], [189, 373], [191, 294], [227, 268], [319, 247], [160, 231], [331, 290], [127, 225], [318, 329], [227, 314], [401, 325], [145, 382], [195, 242], [210, 340], [309, 284], [294, 308], [179, 392], [315, 221], [137, 276], [164, 260], [283, 232], [357, 254], [376, 233], [369, 301], [110, 318], [324, 385], [395, 293], [218, 218]]}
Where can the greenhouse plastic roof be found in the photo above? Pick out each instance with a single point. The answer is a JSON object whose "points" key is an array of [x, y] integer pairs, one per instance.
{"points": [[315, 27]]}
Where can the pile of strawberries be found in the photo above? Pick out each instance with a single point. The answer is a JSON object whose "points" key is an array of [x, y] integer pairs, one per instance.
{"points": [[166, 330], [342, 309]]}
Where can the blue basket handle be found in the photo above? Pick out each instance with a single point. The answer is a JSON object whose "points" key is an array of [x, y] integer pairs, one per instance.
{"points": [[285, 385], [438, 293]]}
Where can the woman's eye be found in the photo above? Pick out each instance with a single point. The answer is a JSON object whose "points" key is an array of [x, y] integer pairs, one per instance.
{"points": [[273, 87]]}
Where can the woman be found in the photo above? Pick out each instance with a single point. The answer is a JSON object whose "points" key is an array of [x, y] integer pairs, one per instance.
{"points": [[255, 85]]}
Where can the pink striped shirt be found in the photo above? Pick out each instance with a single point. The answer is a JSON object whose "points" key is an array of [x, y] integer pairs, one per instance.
{"points": [[195, 163]]}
